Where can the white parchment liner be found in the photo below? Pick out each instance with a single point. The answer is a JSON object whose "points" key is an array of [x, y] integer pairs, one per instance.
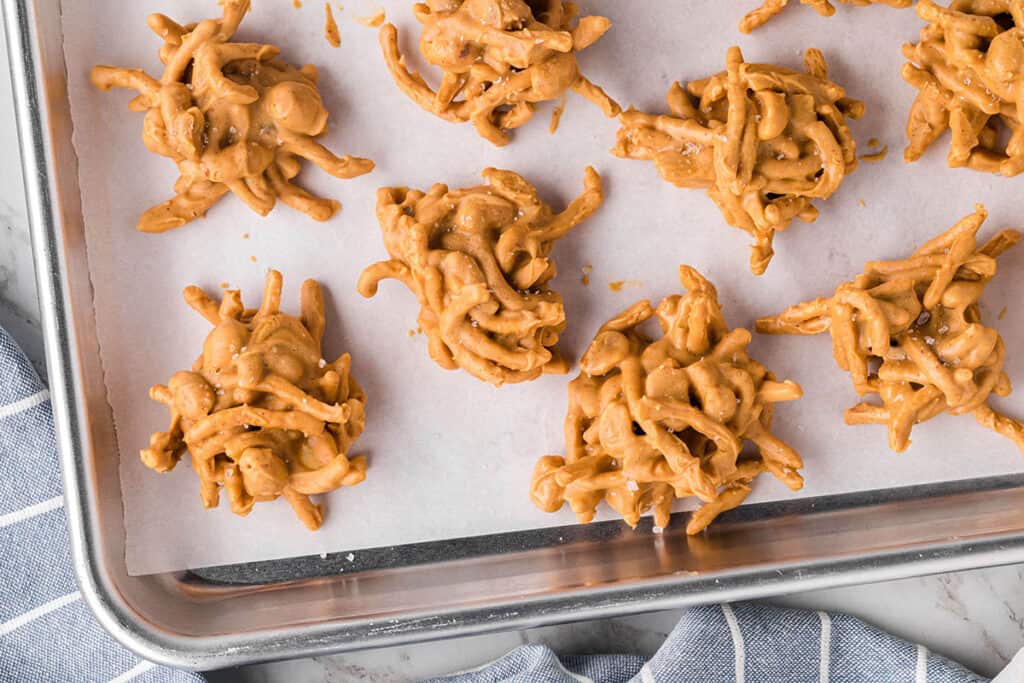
{"points": [[451, 456]]}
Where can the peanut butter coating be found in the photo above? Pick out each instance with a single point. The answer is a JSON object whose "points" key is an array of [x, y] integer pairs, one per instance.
{"points": [[968, 68], [233, 117], [499, 58], [654, 420], [763, 140], [910, 332], [261, 413], [771, 8], [478, 260]]}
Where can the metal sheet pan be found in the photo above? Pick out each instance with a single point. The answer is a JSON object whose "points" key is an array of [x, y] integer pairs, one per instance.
{"points": [[313, 606]]}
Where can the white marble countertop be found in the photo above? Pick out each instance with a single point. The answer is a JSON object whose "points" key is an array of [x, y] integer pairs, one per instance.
{"points": [[976, 618]]}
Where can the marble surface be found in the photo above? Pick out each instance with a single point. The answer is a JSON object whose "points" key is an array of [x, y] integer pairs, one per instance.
{"points": [[974, 617]]}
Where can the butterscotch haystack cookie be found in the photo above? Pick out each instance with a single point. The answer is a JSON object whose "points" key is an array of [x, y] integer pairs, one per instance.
{"points": [[478, 261], [650, 421], [770, 8], [232, 117], [261, 412], [910, 331], [969, 71], [499, 59], [763, 140]]}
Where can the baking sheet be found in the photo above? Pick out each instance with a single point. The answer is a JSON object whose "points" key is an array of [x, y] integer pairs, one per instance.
{"points": [[450, 456]]}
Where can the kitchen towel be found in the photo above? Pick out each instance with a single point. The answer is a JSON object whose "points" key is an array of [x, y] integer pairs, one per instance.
{"points": [[744, 643], [46, 631]]}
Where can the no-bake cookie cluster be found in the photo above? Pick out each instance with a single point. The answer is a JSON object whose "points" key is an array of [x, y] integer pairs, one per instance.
{"points": [[499, 58], [261, 412], [233, 117], [764, 141], [650, 421], [478, 260], [910, 333]]}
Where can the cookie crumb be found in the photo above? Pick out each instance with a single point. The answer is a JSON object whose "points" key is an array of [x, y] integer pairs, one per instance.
{"points": [[331, 32], [619, 285], [253, 259], [587, 269], [556, 116], [875, 157], [1002, 313], [373, 20]]}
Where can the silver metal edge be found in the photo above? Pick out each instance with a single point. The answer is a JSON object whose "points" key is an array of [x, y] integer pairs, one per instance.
{"points": [[130, 629], [671, 593], [66, 395]]}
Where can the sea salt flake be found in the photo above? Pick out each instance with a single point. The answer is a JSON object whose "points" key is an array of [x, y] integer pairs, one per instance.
{"points": [[632, 485], [657, 529]]}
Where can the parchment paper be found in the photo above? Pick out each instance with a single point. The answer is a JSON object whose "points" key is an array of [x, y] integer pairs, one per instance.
{"points": [[451, 456]]}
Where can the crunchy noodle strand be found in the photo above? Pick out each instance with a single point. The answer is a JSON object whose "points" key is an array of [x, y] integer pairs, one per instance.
{"points": [[769, 9]]}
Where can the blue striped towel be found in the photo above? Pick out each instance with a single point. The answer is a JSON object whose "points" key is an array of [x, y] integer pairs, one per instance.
{"points": [[46, 632], [744, 643]]}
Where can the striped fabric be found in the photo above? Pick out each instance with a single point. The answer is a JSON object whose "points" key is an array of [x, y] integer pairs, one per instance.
{"points": [[743, 643], [46, 631]]}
